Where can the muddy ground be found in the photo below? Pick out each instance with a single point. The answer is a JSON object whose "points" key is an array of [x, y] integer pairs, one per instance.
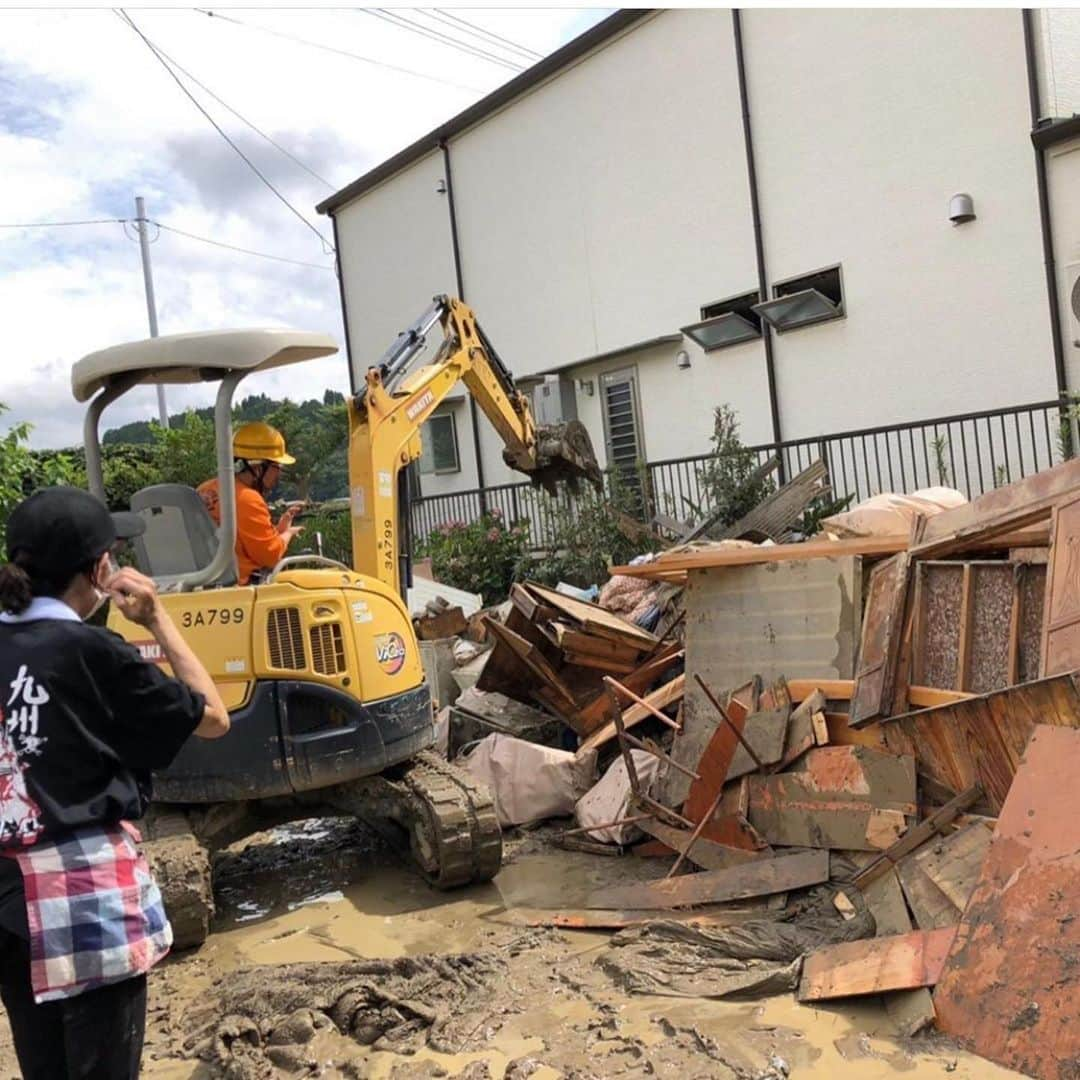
{"points": [[331, 958]]}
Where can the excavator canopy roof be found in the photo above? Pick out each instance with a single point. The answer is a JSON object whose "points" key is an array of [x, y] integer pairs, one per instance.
{"points": [[202, 357]]}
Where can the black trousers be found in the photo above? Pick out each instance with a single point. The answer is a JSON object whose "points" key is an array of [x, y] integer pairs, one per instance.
{"points": [[94, 1036]]}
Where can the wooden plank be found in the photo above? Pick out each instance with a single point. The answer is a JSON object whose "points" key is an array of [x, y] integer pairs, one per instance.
{"points": [[841, 797], [707, 854], [923, 697], [802, 735], [1011, 982], [841, 733], [715, 762], [593, 617], [882, 631], [931, 908], [916, 836], [579, 642], [1061, 617], [995, 512], [954, 862], [594, 714], [661, 698], [703, 558], [910, 1010], [875, 965], [776, 513], [599, 663], [531, 656], [749, 484], [981, 739], [967, 615], [819, 726], [758, 878], [765, 733]]}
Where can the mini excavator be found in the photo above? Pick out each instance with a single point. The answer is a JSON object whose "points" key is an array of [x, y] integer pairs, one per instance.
{"points": [[318, 662]]}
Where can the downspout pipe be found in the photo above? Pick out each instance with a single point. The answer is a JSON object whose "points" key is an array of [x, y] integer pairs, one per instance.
{"points": [[759, 243], [474, 414], [1046, 225]]}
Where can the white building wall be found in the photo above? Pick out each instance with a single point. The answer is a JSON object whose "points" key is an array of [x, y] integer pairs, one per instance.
{"points": [[1063, 183], [1058, 50], [607, 205], [865, 123]]}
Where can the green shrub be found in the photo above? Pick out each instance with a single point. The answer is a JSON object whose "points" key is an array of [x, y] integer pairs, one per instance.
{"points": [[727, 478], [592, 533], [336, 529], [482, 556]]}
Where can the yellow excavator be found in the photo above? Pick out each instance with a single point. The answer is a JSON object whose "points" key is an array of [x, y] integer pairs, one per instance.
{"points": [[318, 662]]}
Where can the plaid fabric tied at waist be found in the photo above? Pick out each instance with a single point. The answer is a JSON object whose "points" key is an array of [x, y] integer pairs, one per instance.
{"points": [[95, 913]]}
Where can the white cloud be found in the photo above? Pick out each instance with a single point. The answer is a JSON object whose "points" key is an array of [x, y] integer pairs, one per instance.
{"points": [[89, 118]]}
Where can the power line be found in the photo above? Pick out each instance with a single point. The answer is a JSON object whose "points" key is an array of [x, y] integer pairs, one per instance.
{"points": [[394, 19], [449, 18], [217, 127], [233, 247], [61, 224], [244, 120], [341, 52]]}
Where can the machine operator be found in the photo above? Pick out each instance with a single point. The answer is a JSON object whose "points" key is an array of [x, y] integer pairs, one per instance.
{"points": [[259, 455]]}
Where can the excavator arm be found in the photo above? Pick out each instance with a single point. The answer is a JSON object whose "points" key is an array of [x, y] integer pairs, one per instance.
{"points": [[386, 414]]}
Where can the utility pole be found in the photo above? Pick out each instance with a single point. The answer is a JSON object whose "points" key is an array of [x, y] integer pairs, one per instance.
{"points": [[151, 304]]}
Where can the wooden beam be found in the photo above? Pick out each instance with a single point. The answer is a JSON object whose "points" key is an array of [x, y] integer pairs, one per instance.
{"points": [[921, 697], [761, 877], [660, 698]]}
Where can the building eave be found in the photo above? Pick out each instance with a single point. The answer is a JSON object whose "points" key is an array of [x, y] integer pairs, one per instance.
{"points": [[543, 69], [626, 350]]}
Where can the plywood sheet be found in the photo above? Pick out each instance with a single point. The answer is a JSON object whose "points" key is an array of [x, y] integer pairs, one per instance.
{"points": [[789, 619], [1061, 619], [1012, 978], [875, 965], [981, 740], [882, 630]]}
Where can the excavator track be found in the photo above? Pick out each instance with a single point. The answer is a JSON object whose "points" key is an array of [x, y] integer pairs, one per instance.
{"points": [[453, 830]]}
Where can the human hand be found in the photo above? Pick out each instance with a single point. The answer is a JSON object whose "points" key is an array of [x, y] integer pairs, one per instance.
{"points": [[286, 519], [135, 596], [291, 533]]}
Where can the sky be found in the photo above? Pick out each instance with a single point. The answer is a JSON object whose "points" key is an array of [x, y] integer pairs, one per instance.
{"points": [[90, 118]]}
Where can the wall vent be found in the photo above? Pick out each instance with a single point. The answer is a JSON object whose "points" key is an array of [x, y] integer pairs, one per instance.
{"points": [[285, 639]]}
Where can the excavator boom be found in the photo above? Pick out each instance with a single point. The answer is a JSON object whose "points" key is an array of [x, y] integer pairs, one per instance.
{"points": [[387, 413]]}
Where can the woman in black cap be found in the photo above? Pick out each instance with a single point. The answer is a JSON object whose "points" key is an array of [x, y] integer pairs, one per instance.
{"points": [[83, 722]]}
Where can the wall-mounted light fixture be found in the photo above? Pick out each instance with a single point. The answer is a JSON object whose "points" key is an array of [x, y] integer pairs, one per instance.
{"points": [[440, 187], [961, 208], [586, 386], [682, 359]]}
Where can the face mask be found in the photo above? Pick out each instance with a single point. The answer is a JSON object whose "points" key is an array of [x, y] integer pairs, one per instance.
{"points": [[100, 596]]}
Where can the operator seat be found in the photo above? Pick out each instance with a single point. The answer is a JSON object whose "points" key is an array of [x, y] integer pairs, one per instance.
{"points": [[180, 536]]}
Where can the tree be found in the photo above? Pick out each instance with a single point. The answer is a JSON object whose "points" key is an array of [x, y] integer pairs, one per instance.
{"points": [[185, 453], [726, 477], [21, 473]]}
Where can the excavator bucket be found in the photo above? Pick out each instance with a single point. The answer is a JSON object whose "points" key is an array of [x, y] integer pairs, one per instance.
{"points": [[564, 452]]}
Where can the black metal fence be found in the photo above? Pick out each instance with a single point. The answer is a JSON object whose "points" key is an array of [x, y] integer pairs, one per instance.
{"points": [[972, 452]]}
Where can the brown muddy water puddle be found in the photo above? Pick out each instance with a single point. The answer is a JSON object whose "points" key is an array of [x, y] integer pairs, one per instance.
{"points": [[330, 892]]}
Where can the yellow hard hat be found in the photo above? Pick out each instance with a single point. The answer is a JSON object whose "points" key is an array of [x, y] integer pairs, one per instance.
{"points": [[256, 441]]}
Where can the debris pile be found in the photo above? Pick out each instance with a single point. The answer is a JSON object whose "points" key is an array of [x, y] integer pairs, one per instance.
{"points": [[826, 740]]}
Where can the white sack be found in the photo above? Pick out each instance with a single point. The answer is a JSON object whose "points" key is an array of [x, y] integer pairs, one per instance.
{"points": [[889, 514], [529, 782], [609, 800]]}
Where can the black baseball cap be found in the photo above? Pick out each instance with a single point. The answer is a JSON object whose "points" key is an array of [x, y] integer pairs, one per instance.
{"points": [[61, 529]]}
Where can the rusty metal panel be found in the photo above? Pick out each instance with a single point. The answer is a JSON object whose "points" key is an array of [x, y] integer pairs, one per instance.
{"points": [[1011, 983]]}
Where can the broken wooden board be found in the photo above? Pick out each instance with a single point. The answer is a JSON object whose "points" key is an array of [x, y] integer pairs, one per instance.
{"points": [[916, 836], [882, 631], [953, 863], [446, 624], [594, 618], [837, 797], [910, 1010], [758, 878], [776, 513], [676, 564], [794, 619], [661, 698], [806, 728], [875, 965], [766, 733], [594, 714], [715, 761], [995, 512], [841, 733], [1011, 982], [930, 907], [981, 739], [1061, 620], [707, 854]]}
